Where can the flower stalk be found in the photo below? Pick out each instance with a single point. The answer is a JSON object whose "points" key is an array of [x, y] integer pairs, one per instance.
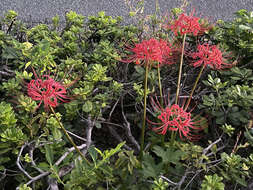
{"points": [[173, 133], [144, 111], [68, 137], [160, 85], [172, 138], [180, 70], [194, 87], [161, 95]]}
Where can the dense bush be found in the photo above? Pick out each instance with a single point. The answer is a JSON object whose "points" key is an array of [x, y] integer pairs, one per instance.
{"points": [[75, 114]]}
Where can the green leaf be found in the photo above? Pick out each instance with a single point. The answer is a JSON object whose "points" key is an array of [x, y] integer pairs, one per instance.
{"points": [[5, 150], [27, 64], [49, 154], [244, 27], [93, 153], [56, 133], [100, 152], [4, 159], [131, 13], [98, 125], [240, 180], [161, 153], [169, 155], [236, 78], [43, 166], [4, 145], [248, 136], [106, 170], [87, 107], [150, 169]]}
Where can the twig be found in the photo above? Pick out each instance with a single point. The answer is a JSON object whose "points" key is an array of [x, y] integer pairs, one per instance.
{"points": [[204, 152], [90, 125], [210, 146], [66, 169], [180, 183], [74, 135], [38, 177], [18, 161], [110, 123], [113, 108], [111, 129], [168, 180], [32, 161], [53, 185], [43, 144], [127, 128], [32, 179], [197, 173], [5, 73], [3, 175], [117, 136], [236, 143], [58, 162], [218, 149]]}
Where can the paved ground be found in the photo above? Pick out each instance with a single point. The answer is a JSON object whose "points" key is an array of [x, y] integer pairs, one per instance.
{"points": [[39, 10]]}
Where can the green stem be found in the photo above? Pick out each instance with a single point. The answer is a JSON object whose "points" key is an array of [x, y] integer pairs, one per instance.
{"points": [[194, 87], [67, 135], [160, 86], [172, 138], [173, 133], [144, 111], [161, 96], [180, 70]]}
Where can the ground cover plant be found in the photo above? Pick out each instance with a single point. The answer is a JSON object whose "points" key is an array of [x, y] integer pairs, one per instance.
{"points": [[164, 103]]}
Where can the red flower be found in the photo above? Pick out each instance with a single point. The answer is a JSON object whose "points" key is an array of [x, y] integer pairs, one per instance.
{"points": [[167, 53], [150, 50], [175, 118], [185, 24], [209, 55], [47, 90]]}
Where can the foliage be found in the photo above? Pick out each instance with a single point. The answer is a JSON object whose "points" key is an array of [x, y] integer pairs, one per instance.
{"points": [[237, 168], [88, 176], [213, 182], [237, 35], [229, 103]]}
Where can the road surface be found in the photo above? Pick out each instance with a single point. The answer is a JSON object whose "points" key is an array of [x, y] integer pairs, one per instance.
{"points": [[41, 10]]}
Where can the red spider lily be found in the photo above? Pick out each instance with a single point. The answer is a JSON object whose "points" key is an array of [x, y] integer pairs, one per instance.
{"points": [[150, 50], [175, 118], [166, 53], [47, 90], [185, 24], [209, 55]]}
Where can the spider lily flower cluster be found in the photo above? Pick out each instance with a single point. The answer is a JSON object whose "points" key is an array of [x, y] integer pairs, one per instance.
{"points": [[47, 90], [209, 55], [185, 24], [175, 118], [150, 51]]}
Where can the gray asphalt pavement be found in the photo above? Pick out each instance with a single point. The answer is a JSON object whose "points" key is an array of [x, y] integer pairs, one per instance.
{"points": [[40, 10]]}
